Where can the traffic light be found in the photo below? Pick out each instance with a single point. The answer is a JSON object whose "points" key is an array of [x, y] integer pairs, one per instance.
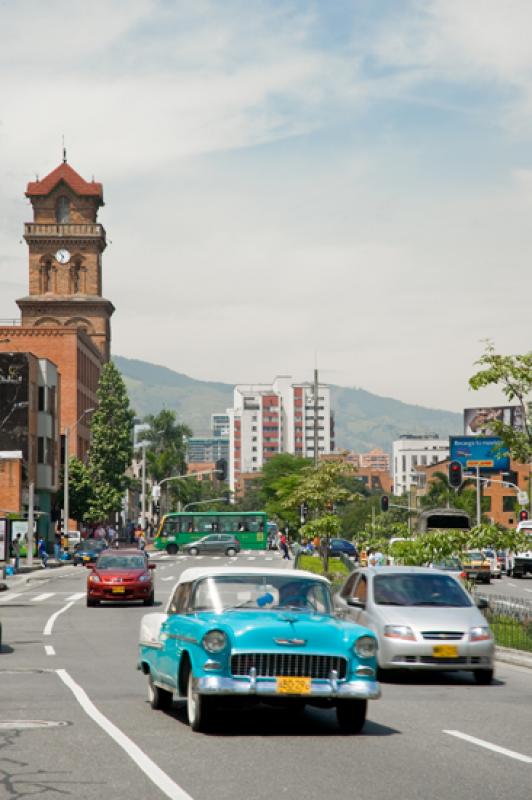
{"points": [[221, 469], [385, 502], [455, 474], [523, 514]]}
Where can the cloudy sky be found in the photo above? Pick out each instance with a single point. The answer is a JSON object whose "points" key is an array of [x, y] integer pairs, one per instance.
{"points": [[287, 177]]}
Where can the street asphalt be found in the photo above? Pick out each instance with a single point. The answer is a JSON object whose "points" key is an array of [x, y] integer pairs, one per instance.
{"points": [[427, 737]]}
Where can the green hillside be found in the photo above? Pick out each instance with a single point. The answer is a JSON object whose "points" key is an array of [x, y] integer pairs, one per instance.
{"points": [[362, 420]]}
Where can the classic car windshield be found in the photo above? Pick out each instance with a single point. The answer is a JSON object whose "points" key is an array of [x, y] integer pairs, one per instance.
{"points": [[261, 592], [418, 590]]}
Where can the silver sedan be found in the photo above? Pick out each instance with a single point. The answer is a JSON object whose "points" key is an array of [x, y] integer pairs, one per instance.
{"points": [[423, 618]]}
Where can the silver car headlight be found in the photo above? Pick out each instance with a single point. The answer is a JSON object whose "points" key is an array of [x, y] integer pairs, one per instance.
{"points": [[365, 647], [480, 633], [403, 632], [214, 641]]}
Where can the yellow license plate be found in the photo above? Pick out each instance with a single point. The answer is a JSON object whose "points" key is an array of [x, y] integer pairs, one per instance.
{"points": [[289, 685], [119, 589], [445, 651], [86, 558]]}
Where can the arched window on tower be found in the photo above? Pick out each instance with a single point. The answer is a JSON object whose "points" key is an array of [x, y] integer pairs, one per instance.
{"points": [[62, 212], [46, 277], [75, 278]]}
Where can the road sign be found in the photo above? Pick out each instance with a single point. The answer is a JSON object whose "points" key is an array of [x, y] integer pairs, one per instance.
{"points": [[522, 498]]}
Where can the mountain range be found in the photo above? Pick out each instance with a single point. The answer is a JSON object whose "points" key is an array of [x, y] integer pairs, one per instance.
{"points": [[362, 420]]}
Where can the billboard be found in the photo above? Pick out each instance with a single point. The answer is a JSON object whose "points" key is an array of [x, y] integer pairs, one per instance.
{"points": [[477, 420], [486, 452], [14, 402]]}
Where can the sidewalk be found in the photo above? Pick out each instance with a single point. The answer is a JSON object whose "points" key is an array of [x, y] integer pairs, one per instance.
{"points": [[520, 658], [26, 574]]}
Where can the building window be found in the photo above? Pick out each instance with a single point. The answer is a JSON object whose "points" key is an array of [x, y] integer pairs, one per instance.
{"points": [[40, 449], [508, 503], [63, 210], [41, 399]]}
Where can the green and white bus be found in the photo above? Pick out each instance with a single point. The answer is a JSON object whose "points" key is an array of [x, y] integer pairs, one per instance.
{"points": [[182, 527]]}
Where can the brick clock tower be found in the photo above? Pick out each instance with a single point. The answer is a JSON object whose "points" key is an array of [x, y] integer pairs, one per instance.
{"points": [[66, 243]]}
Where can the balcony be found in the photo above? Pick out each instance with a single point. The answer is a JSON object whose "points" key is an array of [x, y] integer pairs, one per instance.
{"points": [[91, 230]]}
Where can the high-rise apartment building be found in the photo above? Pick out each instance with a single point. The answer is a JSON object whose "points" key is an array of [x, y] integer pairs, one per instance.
{"points": [[267, 419], [411, 451], [376, 459]]}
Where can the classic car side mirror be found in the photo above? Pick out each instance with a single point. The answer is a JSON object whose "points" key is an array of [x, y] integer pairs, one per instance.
{"points": [[151, 566], [354, 602], [481, 602]]}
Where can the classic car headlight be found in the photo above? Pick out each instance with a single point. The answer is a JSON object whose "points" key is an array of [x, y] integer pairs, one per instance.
{"points": [[94, 578], [480, 633], [365, 647], [144, 578], [399, 632], [214, 641]]}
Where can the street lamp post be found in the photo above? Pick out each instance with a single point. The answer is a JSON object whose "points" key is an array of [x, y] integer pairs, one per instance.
{"points": [[66, 499], [187, 475]]}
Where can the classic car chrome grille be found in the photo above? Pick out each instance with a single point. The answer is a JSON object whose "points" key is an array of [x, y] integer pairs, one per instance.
{"points": [[453, 635], [270, 665]]}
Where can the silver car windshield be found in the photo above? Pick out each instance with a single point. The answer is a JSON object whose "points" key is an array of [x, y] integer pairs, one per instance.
{"points": [[408, 589], [261, 593]]}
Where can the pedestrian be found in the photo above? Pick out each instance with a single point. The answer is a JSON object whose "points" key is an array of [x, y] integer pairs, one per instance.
{"points": [[57, 546], [141, 541], [130, 532], [42, 551], [284, 546], [111, 533], [15, 547]]}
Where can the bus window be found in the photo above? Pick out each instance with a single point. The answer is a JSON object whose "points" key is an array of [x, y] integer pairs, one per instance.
{"points": [[186, 524], [171, 526], [203, 525]]}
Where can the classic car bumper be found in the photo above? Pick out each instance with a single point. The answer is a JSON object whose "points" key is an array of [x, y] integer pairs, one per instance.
{"points": [[267, 687]]}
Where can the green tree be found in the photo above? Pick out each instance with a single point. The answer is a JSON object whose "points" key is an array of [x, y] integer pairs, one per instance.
{"points": [[513, 374], [111, 448], [166, 453], [80, 489], [440, 494]]}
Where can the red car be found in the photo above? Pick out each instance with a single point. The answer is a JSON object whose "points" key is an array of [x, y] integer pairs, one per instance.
{"points": [[121, 575]]}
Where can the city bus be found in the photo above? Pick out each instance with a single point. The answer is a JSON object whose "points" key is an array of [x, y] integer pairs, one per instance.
{"points": [[182, 527]]}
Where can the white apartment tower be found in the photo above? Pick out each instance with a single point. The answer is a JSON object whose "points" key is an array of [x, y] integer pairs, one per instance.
{"points": [[267, 419], [411, 451]]}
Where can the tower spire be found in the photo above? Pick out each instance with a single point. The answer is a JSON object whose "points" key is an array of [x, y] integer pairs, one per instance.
{"points": [[64, 150]]}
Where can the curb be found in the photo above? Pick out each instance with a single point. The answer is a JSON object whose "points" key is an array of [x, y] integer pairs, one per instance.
{"points": [[518, 658]]}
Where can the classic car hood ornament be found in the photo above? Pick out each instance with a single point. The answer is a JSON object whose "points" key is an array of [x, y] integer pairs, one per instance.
{"points": [[291, 642]]}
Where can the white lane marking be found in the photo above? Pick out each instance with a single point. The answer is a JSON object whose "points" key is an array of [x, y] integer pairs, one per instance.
{"points": [[169, 578], [49, 650], [7, 597], [251, 558], [76, 596], [528, 590], [161, 780], [269, 558], [42, 597], [513, 585], [216, 558], [50, 624], [489, 746]]}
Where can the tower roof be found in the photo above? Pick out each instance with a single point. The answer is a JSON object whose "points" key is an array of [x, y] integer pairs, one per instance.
{"points": [[64, 172]]}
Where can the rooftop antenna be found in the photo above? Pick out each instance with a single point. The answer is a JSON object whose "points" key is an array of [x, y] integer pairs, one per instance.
{"points": [[64, 149]]}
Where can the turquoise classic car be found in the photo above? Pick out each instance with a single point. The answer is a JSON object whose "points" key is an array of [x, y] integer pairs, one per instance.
{"points": [[257, 635]]}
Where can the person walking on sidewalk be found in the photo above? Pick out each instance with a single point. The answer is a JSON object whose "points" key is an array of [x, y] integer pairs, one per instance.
{"points": [[15, 547], [284, 546], [42, 552]]}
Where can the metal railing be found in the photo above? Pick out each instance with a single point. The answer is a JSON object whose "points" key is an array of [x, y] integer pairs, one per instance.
{"points": [[510, 619]]}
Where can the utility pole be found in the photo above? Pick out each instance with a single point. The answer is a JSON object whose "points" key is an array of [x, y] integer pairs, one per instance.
{"points": [[29, 551], [479, 512], [143, 496], [316, 433]]}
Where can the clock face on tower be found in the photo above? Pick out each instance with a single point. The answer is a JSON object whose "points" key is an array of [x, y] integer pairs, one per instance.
{"points": [[63, 256]]}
